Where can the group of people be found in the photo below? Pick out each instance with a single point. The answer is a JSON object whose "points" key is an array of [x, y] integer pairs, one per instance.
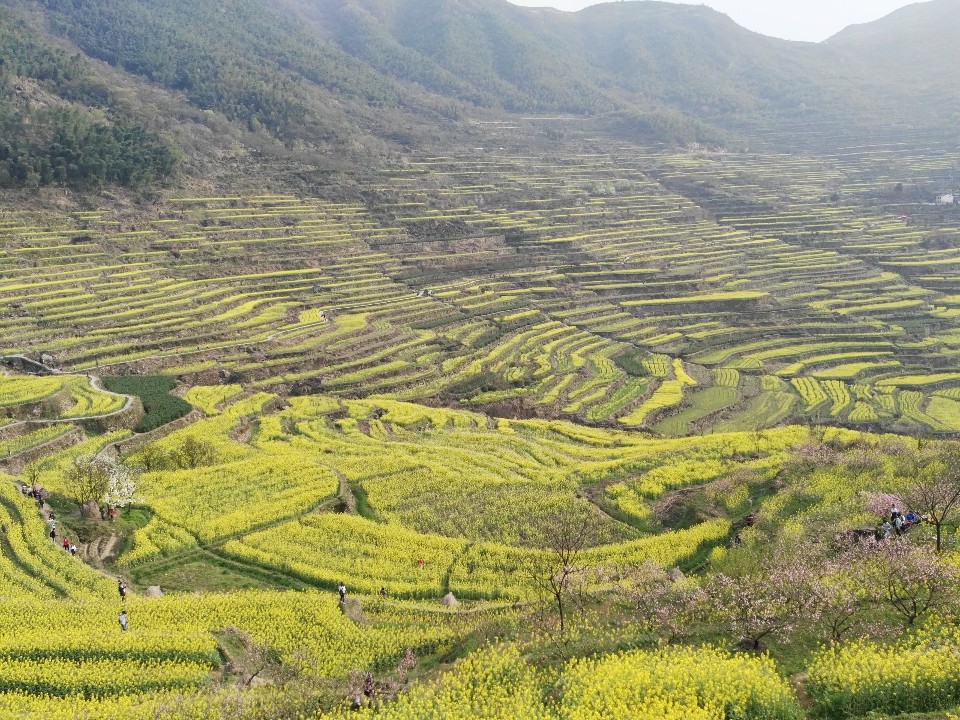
{"points": [[109, 512], [896, 522], [67, 545], [122, 618], [37, 493]]}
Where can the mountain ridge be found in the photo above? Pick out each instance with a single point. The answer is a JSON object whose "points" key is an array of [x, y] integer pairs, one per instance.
{"points": [[347, 84]]}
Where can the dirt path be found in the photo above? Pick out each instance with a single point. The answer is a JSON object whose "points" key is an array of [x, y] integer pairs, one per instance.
{"points": [[799, 683], [95, 383], [347, 497], [100, 549], [106, 548]]}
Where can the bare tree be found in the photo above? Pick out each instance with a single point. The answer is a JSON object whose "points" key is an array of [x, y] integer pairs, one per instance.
{"points": [[912, 580], [768, 591], [556, 568], [843, 590], [250, 660], [665, 601], [769, 603]]}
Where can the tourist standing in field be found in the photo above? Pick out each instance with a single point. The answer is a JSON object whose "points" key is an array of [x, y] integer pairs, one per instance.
{"points": [[122, 589], [342, 591], [122, 619]]}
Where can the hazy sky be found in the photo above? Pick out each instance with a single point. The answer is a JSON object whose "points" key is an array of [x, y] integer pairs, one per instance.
{"points": [[812, 20]]}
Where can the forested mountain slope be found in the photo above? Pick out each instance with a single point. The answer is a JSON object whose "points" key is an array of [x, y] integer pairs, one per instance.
{"points": [[913, 49], [345, 83], [51, 120]]}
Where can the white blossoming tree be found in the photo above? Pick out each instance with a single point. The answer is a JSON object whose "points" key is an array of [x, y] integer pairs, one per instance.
{"points": [[93, 480], [121, 484]]}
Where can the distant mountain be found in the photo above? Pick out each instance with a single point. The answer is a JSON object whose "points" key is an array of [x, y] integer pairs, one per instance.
{"points": [[348, 82], [915, 47], [485, 52], [908, 39], [608, 57]]}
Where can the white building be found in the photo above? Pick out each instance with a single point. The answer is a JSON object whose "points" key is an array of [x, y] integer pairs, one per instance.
{"points": [[944, 198]]}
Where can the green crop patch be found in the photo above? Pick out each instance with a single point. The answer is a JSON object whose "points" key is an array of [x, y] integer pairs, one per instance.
{"points": [[160, 407]]}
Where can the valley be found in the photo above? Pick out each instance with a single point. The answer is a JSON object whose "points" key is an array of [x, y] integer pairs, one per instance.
{"points": [[448, 359]]}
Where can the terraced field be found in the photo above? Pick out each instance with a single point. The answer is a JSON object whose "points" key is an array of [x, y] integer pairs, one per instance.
{"points": [[263, 504], [402, 391], [78, 660], [469, 490], [404, 503], [516, 284]]}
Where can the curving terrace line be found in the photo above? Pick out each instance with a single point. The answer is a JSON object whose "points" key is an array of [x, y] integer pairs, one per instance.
{"points": [[95, 383]]}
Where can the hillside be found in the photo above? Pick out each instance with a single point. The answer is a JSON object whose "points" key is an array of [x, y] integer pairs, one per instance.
{"points": [[289, 500], [435, 359], [912, 50], [678, 291], [51, 120], [331, 85], [913, 42]]}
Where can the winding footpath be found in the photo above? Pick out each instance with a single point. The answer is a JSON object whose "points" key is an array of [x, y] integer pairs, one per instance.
{"points": [[95, 383]]}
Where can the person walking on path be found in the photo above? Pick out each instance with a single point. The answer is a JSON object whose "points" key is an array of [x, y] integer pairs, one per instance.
{"points": [[122, 619], [122, 589], [342, 591]]}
